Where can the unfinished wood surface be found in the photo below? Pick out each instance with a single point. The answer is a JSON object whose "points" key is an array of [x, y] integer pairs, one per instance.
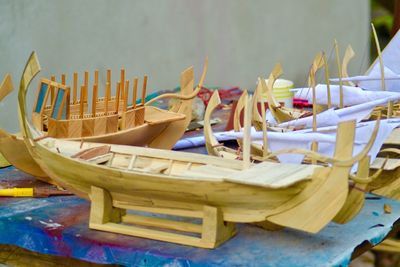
{"points": [[336, 45], [330, 197], [175, 130], [348, 55], [356, 197], [212, 232], [225, 192], [6, 86], [15, 152]]}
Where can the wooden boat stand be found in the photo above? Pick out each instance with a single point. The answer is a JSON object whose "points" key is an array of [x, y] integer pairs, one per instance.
{"points": [[108, 215]]}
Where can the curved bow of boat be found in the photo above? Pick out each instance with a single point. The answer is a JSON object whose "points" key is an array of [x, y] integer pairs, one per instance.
{"points": [[171, 134]]}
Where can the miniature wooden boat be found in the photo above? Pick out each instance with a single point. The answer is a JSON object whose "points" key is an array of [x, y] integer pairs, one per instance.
{"points": [[219, 191], [279, 112], [13, 148], [111, 119]]}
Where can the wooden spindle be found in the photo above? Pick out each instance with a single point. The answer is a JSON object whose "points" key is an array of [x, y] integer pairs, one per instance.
{"points": [[53, 79], [144, 89], [75, 88], [82, 103], [96, 77], [108, 76], [122, 81], [63, 79], [67, 103], [117, 97], [107, 96], [86, 84], [135, 83], [126, 93], [94, 100]]}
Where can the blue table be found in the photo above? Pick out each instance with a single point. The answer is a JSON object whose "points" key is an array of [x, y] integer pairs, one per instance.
{"points": [[59, 226]]}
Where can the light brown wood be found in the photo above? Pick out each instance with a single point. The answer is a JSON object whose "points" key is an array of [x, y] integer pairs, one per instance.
{"points": [[378, 49], [117, 96], [341, 105], [86, 86], [348, 55], [6, 86], [134, 96], [356, 196], [122, 83], [94, 100], [328, 87], [81, 104], [283, 194], [144, 88], [75, 88]]}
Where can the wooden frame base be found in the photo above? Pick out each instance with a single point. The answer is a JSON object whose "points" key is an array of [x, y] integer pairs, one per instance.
{"points": [[106, 216]]}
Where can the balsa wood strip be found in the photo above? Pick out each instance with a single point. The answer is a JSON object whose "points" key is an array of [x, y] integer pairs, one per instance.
{"points": [[6, 86]]}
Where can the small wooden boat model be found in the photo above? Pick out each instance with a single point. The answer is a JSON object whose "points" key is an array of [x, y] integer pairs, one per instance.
{"points": [[111, 119], [117, 178], [13, 148], [278, 111]]}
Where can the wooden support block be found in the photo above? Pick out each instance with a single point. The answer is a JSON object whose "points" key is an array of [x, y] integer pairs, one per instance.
{"points": [[212, 232], [87, 127], [215, 231], [112, 124], [139, 116], [101, 209]]}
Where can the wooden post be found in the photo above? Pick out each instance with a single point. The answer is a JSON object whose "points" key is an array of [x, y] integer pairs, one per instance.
{"points": [[82, 103], [94, 100], [109, 80], [53, 79], [96, 77], [134, 97], [144, 89], [122, 83], [107, 96], [378, 49], [75, 88], [126, 93], [264, 128], [63, 79], [67, 103], [86, 83], [328, 86], [247, 133], [117, 97], [341, 104]]}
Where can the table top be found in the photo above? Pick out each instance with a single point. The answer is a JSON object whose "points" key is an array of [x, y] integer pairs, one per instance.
{"points": [[59, 226]]}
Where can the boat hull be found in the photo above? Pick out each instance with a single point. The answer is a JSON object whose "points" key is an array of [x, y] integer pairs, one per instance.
{"points": [[238, 202]]}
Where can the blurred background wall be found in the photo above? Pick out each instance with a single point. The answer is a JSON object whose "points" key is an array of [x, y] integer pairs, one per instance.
{"points": [[243, 39]]}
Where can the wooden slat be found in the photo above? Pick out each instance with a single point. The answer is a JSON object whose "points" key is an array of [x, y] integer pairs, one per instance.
{"points": [[162, 223]]}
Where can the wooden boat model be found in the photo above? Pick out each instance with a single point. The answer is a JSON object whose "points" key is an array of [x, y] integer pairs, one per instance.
{"points": [[12, 146], [117, 178], [278, 111], [111, 119], [140, 124]]}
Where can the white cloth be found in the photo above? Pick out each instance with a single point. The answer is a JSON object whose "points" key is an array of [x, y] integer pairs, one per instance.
{"points": [[351, 95], [333, 117], [325, 136], [390, 57]]}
